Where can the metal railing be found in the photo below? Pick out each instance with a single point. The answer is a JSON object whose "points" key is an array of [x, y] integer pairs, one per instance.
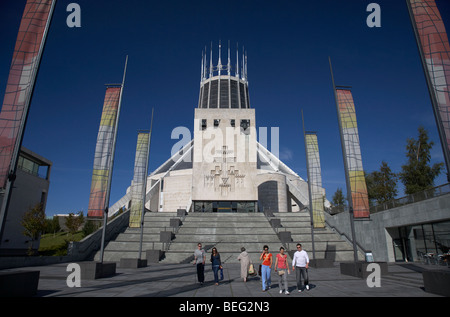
{"points": [[413, 198]]}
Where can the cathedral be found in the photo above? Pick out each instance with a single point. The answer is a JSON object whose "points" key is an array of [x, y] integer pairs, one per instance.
{"points": [[223, 168]]}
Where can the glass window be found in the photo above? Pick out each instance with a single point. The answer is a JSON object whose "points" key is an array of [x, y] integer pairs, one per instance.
{"points": [[224, 101], [442, 236], [214, 92]]}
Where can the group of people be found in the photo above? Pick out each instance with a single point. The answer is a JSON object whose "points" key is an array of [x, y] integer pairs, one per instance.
{"points": [[300, 263]]}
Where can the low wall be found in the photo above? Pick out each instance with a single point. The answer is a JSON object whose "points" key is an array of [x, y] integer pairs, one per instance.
{"points": [[77, 251], [372, 234], [85, 249]]}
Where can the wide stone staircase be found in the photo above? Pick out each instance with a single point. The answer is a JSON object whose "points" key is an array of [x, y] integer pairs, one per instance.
{"points": [[126, 244], [228, 232], [327, 243]]}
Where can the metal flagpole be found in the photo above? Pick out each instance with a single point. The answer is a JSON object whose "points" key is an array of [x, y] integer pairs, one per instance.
{"points": [[347, 179], [105, 212], [19, 138], [145, 188], [309, 189]]}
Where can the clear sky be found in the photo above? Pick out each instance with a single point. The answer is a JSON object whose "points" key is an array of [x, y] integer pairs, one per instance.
{"points": [[287, 43]]}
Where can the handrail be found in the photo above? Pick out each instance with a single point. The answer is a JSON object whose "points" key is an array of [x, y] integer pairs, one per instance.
{"points": [[345, 235], [412, 198]]}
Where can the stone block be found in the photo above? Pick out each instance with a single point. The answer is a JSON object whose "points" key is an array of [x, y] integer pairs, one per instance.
{"points": [[166, 236], [181, 212], [153, 256], [19, 284], [285, 236], [95, 270], [275, 223], [359, 269], [132, 263], [175, 222], [437, 282]]}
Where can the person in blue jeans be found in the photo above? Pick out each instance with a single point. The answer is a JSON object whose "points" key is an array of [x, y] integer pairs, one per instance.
{"points": [[266, 268], [216, 264]]}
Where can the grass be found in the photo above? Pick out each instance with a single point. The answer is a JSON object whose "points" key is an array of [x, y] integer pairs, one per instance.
{"points": [[56, 244]]}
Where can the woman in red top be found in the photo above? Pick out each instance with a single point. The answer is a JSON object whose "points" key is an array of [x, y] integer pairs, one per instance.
{"points": [[281, 267], [266, 266]]}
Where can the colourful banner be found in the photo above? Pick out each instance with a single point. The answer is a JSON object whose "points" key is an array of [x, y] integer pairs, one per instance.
{"points": [[435, 53], [24, 66], [139, 183], [315, 180], [104, 153], [355, 172]]}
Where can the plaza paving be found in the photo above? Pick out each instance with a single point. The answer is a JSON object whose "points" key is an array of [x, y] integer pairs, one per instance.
{"points": [[180, 280]]}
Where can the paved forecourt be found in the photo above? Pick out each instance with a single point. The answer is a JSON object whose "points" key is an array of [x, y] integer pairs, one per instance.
{"points": [[180, 280]]}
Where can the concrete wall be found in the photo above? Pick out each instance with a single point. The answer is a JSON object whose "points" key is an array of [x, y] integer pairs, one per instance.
{"points": [[77, 251], [272, 192], [176, 191], [28, 191], [376, 233], [229, 175]]}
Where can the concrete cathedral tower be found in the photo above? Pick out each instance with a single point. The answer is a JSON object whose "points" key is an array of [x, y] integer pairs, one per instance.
{"points": [[223, 168]]}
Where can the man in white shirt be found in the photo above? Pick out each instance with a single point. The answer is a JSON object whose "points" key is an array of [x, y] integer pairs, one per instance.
{"points": [[300, 264], [199, 260]]}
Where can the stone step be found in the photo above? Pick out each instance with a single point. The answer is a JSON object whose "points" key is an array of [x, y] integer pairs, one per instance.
{"points": [[231, 243], [228, 230]]}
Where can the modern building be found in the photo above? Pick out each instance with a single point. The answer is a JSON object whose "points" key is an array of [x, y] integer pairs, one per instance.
{"points": [[223, 168], [30, 188]]}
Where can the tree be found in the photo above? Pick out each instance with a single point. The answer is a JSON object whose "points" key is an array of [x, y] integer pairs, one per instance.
{"points": [[382, 185], [417, 175], [74, 222], [338, 201], [52, 225], [33, 222]]}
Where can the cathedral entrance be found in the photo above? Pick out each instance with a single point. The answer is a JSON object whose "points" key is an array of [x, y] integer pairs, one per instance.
{"points": [[224, 206]]}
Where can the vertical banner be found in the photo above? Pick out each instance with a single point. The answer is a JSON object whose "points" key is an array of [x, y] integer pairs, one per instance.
{"points": [[315, 179], [25, 63], [103, 153], [139, 183], [434, 49], [350, 138]]}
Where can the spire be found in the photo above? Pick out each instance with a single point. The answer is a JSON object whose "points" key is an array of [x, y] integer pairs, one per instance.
{"points": [[210, 64], [237, 60], [245, 67], [219, 64], [229, 62], [243, 63], [202, 69], [204, 63]]}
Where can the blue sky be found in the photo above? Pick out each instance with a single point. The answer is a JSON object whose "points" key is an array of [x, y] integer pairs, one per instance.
{"points": [[288, 44]]}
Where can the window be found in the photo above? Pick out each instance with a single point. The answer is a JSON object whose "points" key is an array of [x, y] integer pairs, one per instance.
{"points": [[233, 123], [245, 127], [216, 123], [203, 124]]}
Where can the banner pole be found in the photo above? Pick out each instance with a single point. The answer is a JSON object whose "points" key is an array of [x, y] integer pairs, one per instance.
{"points": [[347, 179], [431, 91], [19, 138], [145, 189], [309, 189], [108, 192]]}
